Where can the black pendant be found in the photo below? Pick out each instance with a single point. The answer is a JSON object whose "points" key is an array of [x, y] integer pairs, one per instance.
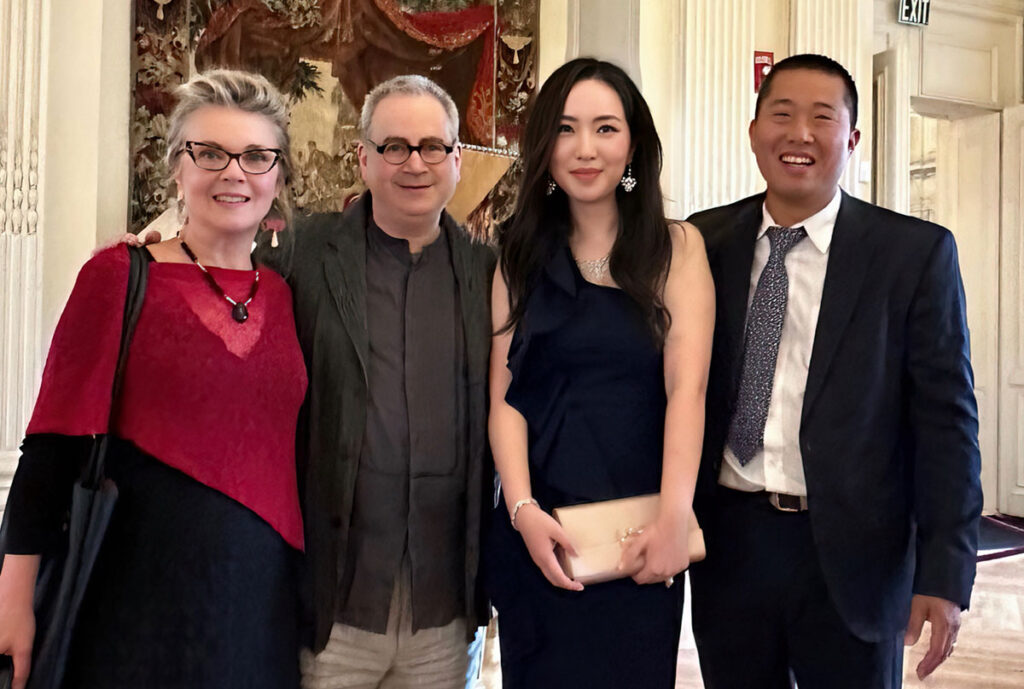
{"points": [[240, 313]]}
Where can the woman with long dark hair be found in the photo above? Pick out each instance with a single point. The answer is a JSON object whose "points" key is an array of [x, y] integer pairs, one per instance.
{"points": [[603, 312]]}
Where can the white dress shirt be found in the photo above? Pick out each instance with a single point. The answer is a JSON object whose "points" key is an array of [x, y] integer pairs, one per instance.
{"points": [[778, 467]]}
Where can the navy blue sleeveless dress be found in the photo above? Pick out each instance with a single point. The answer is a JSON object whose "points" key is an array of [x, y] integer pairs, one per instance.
{"points": [[589, 379]]}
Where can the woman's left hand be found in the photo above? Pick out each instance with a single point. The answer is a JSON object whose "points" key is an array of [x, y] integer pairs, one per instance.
{"points": [[659, 552]]}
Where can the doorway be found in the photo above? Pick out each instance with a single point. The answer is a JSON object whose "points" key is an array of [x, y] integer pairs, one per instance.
{"points": [[955, 182]]}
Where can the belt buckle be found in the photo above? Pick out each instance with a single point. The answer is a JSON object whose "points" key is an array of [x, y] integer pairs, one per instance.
{"points": [[773, 499]]}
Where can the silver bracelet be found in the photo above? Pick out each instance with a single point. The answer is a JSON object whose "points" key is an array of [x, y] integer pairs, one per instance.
{"points": [[515, 509]]}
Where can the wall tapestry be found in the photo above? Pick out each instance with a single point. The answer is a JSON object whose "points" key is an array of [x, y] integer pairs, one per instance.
{"points": [[326, 55]]}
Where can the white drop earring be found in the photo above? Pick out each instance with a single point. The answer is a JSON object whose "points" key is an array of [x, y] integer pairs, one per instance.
{"points": [[628, 181]]}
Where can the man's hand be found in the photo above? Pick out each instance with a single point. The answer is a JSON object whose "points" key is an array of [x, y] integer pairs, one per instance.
{"points": [[148, 237], [141, 239], [944, 617]]}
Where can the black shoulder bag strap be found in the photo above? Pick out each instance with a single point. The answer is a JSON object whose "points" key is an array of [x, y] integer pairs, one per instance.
{"points": [[62, 582], [138, 274]]}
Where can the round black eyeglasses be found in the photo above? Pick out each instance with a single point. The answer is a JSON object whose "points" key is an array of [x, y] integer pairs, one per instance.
{"points": [[431, 152], [255, 161]]}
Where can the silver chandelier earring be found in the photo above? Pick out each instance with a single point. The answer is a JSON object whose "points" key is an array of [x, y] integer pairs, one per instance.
{"points": [[628, 181], [551, 187]]}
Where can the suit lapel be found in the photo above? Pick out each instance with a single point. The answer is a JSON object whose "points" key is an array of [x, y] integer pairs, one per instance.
{"points": [[848, 260], [466, 280], [737, 257], [345, 274]]}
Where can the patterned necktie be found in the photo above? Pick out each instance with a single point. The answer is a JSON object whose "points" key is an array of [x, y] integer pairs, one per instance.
{"points": [[764, 330]]}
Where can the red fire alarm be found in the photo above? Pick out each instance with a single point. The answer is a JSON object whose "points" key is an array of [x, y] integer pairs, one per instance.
{"points": [[763, 62]]}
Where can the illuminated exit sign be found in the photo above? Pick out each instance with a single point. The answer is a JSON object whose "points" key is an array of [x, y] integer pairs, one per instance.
{"points": [[913, 12]]}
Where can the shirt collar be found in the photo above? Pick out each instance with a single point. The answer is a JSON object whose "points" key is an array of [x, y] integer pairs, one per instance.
{"points": [[819, 227], [398, 247]]}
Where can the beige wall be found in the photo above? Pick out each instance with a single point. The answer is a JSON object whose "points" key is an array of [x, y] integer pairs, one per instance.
{"points": [[661, 56], [85, 142], [772, 27], [554, 29]]}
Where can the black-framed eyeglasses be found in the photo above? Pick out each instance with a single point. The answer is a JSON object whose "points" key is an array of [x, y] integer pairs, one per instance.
{"points": [[432, 151], [255, 161]]}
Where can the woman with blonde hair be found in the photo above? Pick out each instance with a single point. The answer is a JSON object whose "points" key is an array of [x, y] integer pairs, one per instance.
{"points": [[194, 585]]}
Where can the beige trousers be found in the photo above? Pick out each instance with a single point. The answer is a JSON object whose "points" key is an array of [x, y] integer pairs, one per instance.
{"points": [[398, 659]]}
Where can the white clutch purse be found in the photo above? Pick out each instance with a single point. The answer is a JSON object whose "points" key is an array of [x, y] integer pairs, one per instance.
{"points": [[599, 529]]}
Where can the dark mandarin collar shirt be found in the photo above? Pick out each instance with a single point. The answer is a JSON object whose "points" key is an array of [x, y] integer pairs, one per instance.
{"points": [[410, 485]]}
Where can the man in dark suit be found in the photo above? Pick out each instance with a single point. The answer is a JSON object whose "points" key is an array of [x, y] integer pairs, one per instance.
{"points": [[392, 307], [839, 489]]}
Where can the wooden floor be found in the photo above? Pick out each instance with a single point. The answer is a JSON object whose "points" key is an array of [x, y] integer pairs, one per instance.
{"points": [[990, 648], [989, 653]]}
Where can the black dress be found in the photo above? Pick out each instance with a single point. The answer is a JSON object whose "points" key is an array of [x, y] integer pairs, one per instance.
{"points": [[240, 628], [190, 589], [588, 378]]}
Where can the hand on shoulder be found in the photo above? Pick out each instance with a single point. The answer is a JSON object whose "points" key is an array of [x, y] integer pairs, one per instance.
{"points": [[130, 239]]}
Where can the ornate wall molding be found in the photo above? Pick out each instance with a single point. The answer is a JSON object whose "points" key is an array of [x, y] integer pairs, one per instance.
{"points": [[21, 34], [717, 166], [19, 118]]}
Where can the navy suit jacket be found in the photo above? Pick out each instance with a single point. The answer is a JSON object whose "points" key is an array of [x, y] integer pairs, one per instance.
{"points": [[889, 426]]}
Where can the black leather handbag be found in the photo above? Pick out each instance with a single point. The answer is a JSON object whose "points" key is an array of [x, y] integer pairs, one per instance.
{"points": [[64, 574]]}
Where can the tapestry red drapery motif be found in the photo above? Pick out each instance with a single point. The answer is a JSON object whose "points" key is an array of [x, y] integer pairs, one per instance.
{"points": [[367, 41], [456, 29]]}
